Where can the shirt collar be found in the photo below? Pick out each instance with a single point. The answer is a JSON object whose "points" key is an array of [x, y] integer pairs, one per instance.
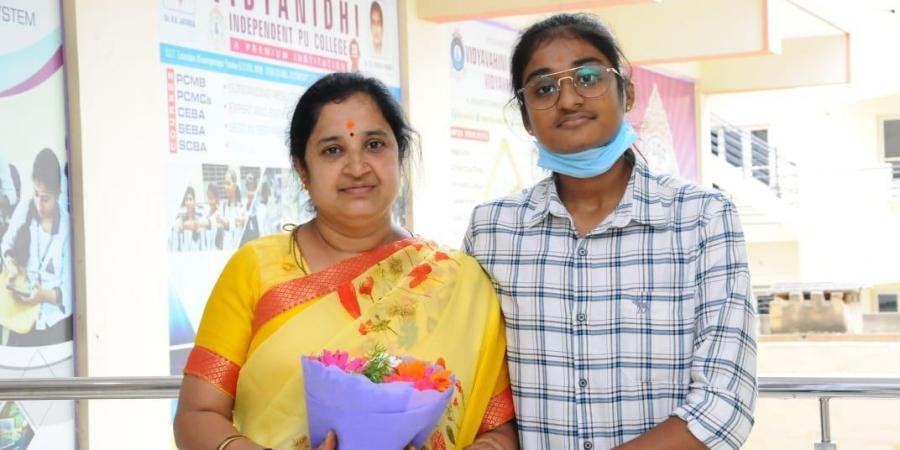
{"points": [[643, 201]]}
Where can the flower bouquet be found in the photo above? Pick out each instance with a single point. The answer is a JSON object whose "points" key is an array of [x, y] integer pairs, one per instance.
{"points": [[380, 402]]}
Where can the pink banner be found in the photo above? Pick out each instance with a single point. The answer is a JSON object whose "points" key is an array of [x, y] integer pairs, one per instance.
{"points": [[665, 119], [286, 55]]}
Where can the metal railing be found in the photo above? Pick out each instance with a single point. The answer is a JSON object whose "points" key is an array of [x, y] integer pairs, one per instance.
{"points": [[825, 388], [755, 158], [90, 388], [96, 388]]}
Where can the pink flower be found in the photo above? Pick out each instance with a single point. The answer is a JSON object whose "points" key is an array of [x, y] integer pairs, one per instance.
{"points": [[342, 361]]}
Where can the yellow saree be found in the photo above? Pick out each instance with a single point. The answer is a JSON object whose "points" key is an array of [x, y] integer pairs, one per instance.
{"points": [[411, 297]]}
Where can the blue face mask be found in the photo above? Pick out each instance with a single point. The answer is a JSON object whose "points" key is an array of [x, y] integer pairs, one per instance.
{"points": [[591, 162]]}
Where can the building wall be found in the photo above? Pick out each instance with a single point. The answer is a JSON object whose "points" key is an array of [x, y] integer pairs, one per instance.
{"points": [[847, 219], [115, 89], [774, 262]]}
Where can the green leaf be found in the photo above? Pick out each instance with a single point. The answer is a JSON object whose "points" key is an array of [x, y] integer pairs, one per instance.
{"points": [[379, 365], [450, 435]]}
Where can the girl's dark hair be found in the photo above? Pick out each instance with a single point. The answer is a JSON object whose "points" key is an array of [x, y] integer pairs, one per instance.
{"points": [[189, 190], [21, 246], [232, 175], [211, 188], [335, 88], [586, 27], [46, 170]]}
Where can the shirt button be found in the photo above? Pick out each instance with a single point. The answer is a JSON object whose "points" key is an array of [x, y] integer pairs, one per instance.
{"points": [[581, 317], [582, 382], [588, 445], [582, 251]]}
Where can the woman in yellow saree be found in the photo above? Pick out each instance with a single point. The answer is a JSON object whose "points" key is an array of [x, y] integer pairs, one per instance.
{"points": [[347, 280]]}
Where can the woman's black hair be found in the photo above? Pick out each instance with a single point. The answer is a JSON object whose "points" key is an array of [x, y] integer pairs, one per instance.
{"points": [[586, 27], [335, 88]]}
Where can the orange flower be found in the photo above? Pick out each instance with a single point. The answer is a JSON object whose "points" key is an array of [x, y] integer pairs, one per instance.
{"points": [[440, 361], [441, 380], [366, 287], [419, 274], [411, 370], [441, 256], [365, 328]]}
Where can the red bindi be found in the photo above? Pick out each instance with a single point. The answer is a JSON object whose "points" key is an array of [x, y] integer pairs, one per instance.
{"points": [[350, 125]]}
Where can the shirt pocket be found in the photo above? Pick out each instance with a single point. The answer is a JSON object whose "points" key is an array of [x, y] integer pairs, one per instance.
{"points": [[656, 341]]}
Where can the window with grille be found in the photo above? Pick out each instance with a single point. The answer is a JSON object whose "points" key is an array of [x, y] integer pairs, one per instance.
{"points": [[759, 154], [734, 149], [887, 302], [890, 129], [714, 140]]}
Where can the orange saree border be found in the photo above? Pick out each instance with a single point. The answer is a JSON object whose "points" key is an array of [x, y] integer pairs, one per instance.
{"points": [[499, 411], [214, 368], [290, 294]]}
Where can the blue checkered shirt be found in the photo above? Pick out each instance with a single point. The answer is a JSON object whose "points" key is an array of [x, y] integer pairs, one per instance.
{"points": [[648, 316]]}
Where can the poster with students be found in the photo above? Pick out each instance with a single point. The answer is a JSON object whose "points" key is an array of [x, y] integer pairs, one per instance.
{"points": [[36, 291], [233, 72]]}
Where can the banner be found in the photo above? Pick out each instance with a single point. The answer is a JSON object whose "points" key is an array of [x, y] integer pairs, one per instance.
{"points": [[234, 71], [665, 119], [491, 155], [36, 292]]}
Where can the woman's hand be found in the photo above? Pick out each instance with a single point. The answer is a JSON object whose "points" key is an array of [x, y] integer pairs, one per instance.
{"points": [[330, 442], [486, 444], [503, 437]]}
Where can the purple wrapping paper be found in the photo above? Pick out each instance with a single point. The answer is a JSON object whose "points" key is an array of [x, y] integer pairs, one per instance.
{"points": [[365, 415]]}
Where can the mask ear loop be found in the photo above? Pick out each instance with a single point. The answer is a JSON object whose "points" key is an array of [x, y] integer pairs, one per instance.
{"points": [[512, 118], [522, 139], [635, 151]]}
